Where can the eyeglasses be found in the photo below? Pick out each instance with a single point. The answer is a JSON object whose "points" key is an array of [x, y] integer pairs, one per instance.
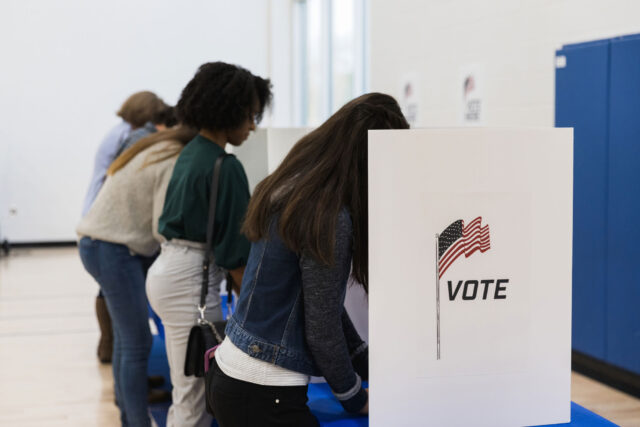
{"points": [[254, 117]]}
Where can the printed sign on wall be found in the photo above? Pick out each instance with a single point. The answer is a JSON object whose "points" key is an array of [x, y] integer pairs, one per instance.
{"points": [[473, 227], [471, 95], [409, 97]]}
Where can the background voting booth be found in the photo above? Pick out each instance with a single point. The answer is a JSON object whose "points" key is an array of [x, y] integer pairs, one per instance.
{"points": [[264, 150], [474, 228]]}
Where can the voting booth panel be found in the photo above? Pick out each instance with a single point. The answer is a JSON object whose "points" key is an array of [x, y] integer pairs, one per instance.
{"points": [[264, 150], [280, 142], [253, 156], [474, 226]]}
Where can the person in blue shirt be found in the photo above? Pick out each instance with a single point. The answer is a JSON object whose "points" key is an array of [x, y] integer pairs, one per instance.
{"points": [[138, 109], [164, 119]]}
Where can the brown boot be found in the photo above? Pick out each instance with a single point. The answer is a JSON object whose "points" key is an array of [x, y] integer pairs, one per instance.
{"points": [[105, 345], [157, 395]]}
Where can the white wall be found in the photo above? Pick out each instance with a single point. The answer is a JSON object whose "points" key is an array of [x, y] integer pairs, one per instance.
{"points": [[281, 62], [515, 42], [253, 156], [66, 68]]}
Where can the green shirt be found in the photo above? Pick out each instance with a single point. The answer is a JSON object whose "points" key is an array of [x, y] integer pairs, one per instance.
{"points": [[186, 206]]}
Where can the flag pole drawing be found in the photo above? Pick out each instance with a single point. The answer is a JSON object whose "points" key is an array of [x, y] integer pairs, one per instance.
{"points": [[456, 240], [438, 296]]}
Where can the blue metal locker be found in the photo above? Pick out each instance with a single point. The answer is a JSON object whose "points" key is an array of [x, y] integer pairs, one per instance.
{"points": [[623, 261], [582, 95]]}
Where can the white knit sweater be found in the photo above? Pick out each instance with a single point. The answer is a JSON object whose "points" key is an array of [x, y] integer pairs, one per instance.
{"points": [[130, 202]]}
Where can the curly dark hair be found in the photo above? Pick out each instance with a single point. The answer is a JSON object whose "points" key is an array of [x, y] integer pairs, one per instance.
{"points": [[221, 96], [166, 116]]}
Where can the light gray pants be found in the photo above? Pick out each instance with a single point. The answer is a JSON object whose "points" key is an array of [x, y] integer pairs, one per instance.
{"points": [[173, 289]]}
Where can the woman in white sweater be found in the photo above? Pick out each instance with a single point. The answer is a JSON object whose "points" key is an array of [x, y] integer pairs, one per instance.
{"points": [[118, 242]]}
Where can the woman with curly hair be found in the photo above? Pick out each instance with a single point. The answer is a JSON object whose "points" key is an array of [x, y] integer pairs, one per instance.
{"points": [[224, 102], [308, 225]]}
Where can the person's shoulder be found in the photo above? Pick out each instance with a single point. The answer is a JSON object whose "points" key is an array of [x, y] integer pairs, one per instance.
{"points": [[231, 162], [166, 152], [232, 166], [193, 158], [137, 134], [232, 175], [117, 133], [168, 143], [121, 128]]}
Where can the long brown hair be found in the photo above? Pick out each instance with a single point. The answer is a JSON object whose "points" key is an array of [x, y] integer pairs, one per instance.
{"points": [[179, 134], [325, 171]]}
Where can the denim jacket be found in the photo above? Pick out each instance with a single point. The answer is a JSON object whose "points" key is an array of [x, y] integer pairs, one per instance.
{"points": [[290, 312]]}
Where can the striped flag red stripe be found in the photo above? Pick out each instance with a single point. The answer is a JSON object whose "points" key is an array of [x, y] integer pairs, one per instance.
{"points": [[474, 238]]}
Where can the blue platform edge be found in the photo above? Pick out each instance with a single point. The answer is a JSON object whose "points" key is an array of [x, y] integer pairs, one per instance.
{"points": [[322, 403]]}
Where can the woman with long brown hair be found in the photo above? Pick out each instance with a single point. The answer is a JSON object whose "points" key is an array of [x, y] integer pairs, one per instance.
{"points": [[308, 224], [118, 242]]}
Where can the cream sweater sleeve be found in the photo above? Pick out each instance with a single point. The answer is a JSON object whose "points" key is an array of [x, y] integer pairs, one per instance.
{"points": [[162, 182], [130, 203]]}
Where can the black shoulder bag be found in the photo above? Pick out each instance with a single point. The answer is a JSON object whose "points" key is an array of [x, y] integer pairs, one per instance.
{"points": [[204, 334]]}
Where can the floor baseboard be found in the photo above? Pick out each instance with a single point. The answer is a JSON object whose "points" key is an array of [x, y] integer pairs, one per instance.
{"points": [[621, 379], [7, 246]]}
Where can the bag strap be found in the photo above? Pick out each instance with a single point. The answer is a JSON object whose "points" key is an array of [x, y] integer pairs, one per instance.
{"points": [[210, 223]]}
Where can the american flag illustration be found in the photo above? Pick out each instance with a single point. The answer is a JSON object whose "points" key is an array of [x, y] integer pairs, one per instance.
{"points": [[458, 239]]}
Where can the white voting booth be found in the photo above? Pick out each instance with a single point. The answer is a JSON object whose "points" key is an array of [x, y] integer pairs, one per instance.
{"points": [[265, 149], [470, 277]]}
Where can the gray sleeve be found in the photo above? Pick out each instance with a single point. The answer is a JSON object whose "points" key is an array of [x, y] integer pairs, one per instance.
{"points": [[323, 288], [358, 349]]}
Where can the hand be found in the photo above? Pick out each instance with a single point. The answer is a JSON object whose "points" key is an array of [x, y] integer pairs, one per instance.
{"points": [[365, 409]]}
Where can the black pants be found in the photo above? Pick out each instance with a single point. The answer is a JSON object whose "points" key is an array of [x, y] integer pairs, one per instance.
{"points": [[238, 403]]}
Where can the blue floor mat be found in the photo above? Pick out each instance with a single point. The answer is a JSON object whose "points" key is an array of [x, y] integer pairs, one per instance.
{"points": [[322, 403], [329, 411]]}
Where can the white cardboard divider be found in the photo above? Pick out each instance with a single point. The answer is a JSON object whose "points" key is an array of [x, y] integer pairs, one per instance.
{"points": [[253, 156], [504, 320], [280, 142], [264, 150]]}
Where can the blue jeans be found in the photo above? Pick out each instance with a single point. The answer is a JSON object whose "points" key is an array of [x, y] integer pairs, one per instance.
{"points": [[121, 277]]}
